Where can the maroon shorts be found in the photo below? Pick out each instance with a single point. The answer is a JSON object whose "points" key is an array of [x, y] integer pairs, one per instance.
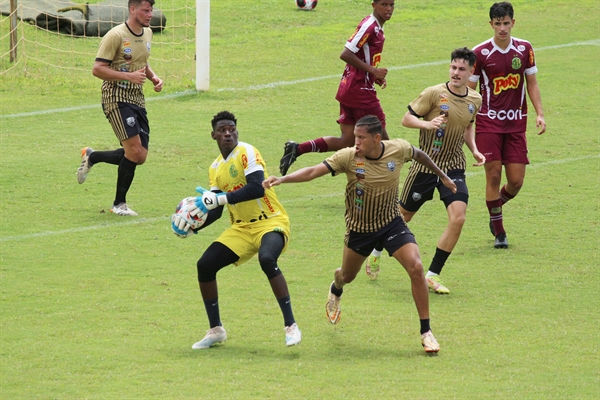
{"points": [[510, 148], [349, 116]]}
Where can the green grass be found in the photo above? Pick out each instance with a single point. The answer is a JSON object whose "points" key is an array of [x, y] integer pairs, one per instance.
{"points": [[99, 307]]}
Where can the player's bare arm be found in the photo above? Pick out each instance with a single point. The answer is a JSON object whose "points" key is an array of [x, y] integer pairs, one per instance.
{"points": [[156, 81], [103, 71], [422, 158], [411, 121], [302, 175], [350, 58], [469, 137], [533, 90]]}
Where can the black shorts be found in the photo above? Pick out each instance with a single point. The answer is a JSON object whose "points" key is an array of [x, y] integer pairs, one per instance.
{"points": [[420, 190], [392, 236], [128, 120]]}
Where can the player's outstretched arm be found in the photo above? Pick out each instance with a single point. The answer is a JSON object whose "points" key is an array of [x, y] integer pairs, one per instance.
{"points": [[302, 175], [422, 158]]}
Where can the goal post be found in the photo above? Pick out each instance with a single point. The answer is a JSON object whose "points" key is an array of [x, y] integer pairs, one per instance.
{"points": [[202, 44]]}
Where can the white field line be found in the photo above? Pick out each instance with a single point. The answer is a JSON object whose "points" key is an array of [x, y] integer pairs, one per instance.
{"points": [[291, 201], [595, 42]]}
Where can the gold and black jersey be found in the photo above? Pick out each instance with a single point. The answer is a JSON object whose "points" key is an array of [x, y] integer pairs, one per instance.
{"points": [[372, 189], [445, 144], [124, 51]]}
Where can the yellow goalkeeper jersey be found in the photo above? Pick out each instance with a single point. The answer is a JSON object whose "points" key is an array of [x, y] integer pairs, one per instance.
{"points": [[229, 174]]}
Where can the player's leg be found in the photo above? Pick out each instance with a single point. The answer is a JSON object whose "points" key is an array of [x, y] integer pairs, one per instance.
{"points": [[216, 256], [271, 246], [514, 156], [351, 264], [132, 125]]}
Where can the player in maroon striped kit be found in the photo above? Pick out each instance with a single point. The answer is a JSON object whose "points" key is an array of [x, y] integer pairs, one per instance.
{"points": [[356, 93], [505, 69]]}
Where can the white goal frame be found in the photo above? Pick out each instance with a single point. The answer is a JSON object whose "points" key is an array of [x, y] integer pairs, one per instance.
{"points": [[202, 44]]}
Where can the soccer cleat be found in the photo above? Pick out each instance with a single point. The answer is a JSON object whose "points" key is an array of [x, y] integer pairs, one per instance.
{"points": [[492, 228], [434, 282], [292, 335], [85, 166], [333, 307], [501, 241], [290, 153], [372, 267], [213, 336], [430, 345], [122, 209]]}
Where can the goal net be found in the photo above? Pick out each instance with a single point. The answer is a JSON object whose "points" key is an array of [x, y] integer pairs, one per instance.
{"points": [[60, 38]]}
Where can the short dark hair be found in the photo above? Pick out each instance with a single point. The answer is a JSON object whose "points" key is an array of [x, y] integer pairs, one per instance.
{"points": [[464, 53], [372, 124], [501, 10], [223, 115], [139, 2]]}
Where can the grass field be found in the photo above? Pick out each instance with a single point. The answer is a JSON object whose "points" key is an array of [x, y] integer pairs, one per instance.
{"points": [[100, 307]]}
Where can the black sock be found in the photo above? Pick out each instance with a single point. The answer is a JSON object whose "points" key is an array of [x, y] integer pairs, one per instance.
{"points": [[124, 179], [212, 311], [111, 157], [336, 291], [439, 259], [425, 325], [286, 308]]}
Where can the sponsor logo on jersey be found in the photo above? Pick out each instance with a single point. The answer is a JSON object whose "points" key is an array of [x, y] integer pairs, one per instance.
{"points": [[471, 108], [363, 41], [531, 57], [391, 165], [360, 164], [148, 45], [511, 115], [503, 83], [127, 50], [244, 161], [516, 62], [376, 59], [444, 107], [126, 42], [360, 170], [359, 192]]}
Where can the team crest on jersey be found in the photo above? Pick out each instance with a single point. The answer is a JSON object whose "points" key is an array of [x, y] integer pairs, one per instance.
{"points": [[521, 47], [233, 172], [516, 62], [485, 52], [130, 121], [416, 196], [391, 165]]}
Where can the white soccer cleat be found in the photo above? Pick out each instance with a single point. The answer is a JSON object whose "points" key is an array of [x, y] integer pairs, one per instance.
{"points": [[122, 209], [333, 309], [430, 345], [85, 166], [292, 335], [213, 336]]}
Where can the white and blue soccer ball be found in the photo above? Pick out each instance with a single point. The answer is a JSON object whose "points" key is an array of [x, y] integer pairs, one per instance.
{"points": [[306, 5]]}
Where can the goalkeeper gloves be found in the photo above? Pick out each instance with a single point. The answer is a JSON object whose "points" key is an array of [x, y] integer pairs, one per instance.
{"points": [[181, 227], [210, 200]]}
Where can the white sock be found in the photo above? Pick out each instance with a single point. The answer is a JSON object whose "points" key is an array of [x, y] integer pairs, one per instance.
{"points": [[429, 273], [376, 253]]}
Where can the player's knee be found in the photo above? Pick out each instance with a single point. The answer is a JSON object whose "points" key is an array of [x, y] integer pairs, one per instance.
{"points": [[269, 266], [457, 220], [414, 269], [206, 271]]}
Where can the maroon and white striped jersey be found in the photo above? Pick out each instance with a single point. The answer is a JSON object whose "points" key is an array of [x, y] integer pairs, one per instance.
{"points": [[357, 89], [501, 76]]}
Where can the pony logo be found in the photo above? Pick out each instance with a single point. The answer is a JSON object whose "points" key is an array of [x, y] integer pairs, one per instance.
{"points": [[503, 83]]}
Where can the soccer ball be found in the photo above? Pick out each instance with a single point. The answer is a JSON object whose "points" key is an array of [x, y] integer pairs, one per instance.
{"points": [[183, 210], [306, 5]]}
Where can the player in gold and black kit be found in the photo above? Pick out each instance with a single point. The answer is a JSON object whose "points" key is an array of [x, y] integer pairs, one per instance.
{"points": [[373, 216], [444, 114], [122, 63], [259, 224]]}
